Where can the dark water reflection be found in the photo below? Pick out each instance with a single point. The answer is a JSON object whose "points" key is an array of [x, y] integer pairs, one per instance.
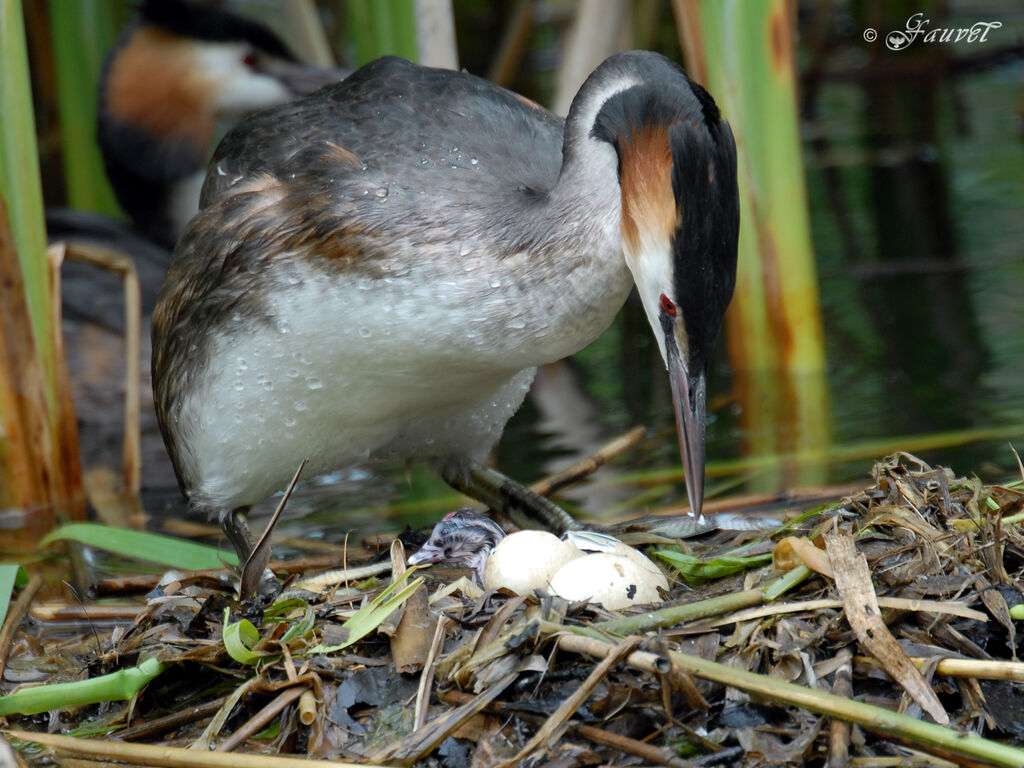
{"points": [[918, 233]]}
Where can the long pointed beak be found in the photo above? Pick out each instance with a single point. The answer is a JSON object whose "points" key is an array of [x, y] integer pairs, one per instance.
{"points": [[301, 79], [689, 398]]}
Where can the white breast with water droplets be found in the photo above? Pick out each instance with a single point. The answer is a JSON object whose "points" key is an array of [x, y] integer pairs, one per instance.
{"points": [[422, 363]]}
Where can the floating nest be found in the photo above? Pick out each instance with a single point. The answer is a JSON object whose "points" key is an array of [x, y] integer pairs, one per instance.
{"points": [[876, 630]]}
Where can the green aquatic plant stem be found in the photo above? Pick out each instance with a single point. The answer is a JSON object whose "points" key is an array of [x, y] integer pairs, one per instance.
{"points": [[842, 708], [743, 52], [852, 711], [785, 582], [39, 461], [117, 686], [677, 614], [381, 27], [703, 609], [83, 31], [163, 755], [19, 170]]}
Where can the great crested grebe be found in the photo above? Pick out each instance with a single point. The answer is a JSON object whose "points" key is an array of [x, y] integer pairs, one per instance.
{"points": [[377, 269], [179, 72]]}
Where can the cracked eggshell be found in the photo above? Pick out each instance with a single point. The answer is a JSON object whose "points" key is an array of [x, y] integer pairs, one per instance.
{"points": [[612, 580], [526, 560], [638, 557], [590, 542]]}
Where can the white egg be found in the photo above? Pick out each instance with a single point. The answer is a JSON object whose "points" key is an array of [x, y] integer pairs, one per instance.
{"points": [[614, 581], [638, 557], [526, 560], [591, 541]]}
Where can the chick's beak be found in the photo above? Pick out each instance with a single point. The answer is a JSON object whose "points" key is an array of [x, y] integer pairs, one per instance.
{"points": [[689, 397], [426, 554]]}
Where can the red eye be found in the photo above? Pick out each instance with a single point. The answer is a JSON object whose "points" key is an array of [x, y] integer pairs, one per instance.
{"points": [[668, 306], [250, 60]]}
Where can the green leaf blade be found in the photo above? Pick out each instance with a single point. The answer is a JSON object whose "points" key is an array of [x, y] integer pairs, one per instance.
{"points": [[141, 545], [697, 571]]}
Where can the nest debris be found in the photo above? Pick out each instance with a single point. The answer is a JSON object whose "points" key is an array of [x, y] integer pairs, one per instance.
{"points": [[885, 611]]}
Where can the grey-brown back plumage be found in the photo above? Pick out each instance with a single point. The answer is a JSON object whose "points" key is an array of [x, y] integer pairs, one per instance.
{"points": [[441, 137]]}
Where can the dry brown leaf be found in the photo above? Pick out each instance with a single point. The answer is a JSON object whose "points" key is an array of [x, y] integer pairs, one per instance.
{"points": [[853, 580], [997, 606], [410, 643]]}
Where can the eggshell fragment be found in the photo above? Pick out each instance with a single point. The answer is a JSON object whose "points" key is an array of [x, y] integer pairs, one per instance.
{"points": [[526, 560], [638, 557], [614, 581], [591, 541]]}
